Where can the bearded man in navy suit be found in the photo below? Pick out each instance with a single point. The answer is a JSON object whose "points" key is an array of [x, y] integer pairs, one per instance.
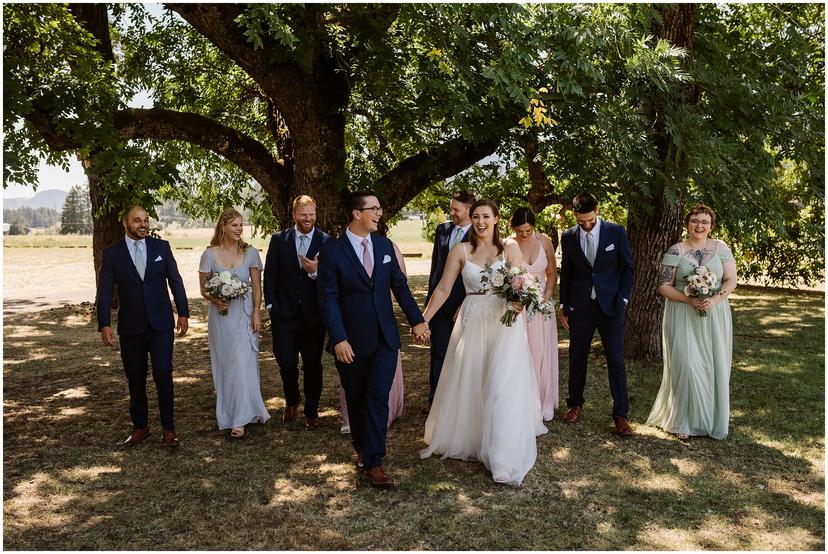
{"points": [[290, 297], [596, 283], [357, 274], [142, 267]]}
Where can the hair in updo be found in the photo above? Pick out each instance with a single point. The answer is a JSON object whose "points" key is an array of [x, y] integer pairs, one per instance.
{"points": [[521, 216], [495, 233]]}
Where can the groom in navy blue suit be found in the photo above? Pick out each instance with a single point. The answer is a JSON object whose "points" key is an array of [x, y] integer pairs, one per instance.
{"points": [[596, 283], [357, 274], [142, 267]]}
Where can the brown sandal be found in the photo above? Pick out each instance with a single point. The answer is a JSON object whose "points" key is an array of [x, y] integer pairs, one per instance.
{"points": [[237, 432]]}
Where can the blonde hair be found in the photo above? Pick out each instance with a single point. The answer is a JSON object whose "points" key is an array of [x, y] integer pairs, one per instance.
{"points": [[303, 200], [226, 217]]}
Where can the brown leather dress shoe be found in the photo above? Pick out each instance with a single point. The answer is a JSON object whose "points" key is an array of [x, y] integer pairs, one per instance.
{"points": [[311, 422], [168, 438], [377, 477], [622, 426], [138, 434], [290, 414], [572, 414], [426, 409]]}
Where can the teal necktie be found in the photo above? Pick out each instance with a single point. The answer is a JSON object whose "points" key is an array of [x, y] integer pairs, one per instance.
{"points": [[456, 237]]}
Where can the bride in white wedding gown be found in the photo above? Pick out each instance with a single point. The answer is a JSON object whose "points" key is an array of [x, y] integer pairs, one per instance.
{"points": [[486, 406]]}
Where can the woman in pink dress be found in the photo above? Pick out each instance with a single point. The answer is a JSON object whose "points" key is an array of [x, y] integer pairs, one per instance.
{"points": [[395, 397], [539, 260]]}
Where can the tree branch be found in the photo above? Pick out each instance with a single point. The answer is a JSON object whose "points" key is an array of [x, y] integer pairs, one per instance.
{"points": [[158, 124], [285, 83], [414, 174]]}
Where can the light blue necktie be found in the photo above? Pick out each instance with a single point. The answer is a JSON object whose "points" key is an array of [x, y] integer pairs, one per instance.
{"points": [[140, 264], [456, 237], [590, 254], [303, 247]]}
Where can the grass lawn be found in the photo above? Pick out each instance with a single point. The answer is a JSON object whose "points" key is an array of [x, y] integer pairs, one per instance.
{"points": [[68, 486]]}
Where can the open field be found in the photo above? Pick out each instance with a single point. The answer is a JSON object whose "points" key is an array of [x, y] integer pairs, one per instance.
{"points": [[65, 263], [68, 486]]}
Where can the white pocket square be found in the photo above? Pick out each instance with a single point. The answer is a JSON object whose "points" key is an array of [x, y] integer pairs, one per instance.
{"points": [[386, 259], [158, 259], [609, 248]]}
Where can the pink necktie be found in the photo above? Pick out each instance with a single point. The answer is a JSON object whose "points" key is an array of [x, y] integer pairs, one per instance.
{"points": [[367, 262]]}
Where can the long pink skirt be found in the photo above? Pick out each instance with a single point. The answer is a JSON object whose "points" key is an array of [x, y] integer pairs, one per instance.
{"points": [[543, 344]]}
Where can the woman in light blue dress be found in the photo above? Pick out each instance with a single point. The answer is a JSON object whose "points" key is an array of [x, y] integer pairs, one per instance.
{"points": [[234, 338], [694, 398]]}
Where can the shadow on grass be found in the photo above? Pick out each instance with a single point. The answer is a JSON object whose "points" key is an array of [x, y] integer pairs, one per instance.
{"points": [[67, 485]]}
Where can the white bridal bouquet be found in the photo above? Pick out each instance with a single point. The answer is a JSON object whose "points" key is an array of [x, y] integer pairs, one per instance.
{"points": [[227, 286], [701, 284], [516, 284]]}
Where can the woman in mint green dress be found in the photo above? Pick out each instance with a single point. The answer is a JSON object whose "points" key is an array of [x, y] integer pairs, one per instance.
{"points": [[694, 398]]}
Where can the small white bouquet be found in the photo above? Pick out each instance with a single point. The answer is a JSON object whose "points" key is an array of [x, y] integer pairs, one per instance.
{"points": [[701, 284], [227, 286], [516, 284]]}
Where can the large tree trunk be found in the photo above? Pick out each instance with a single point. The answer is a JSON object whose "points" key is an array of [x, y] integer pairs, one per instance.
{"points": [[648, 234], [107, 228], [652, 231]]}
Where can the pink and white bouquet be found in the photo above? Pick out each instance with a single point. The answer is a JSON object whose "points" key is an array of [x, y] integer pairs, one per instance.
{"points": [[701, 284], [515, 284], [227, 286]]}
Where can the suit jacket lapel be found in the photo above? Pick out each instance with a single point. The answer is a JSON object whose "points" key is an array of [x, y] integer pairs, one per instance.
{"points": [[128, 259], [351, 255], [377, 258], [152, 253], [603, 241], [313, 248]]}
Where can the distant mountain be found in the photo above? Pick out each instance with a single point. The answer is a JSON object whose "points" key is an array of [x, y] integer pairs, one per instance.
{"points": [[43, 199]]}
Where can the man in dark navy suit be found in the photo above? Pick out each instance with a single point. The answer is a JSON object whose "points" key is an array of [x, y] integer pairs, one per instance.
{"points": [[446, 236], [290, 297], [357, 274], [142, 267], [596, 283]]}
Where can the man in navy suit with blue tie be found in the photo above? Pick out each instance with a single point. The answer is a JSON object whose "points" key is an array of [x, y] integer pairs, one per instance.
{"points": [[290, 297], [142, 267], [357, 274], [596, 283], [441, 325]]}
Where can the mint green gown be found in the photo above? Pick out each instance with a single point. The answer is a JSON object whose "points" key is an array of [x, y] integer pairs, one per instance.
{"points": [[694, 397]]}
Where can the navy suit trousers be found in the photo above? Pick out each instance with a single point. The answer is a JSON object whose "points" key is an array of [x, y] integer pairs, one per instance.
{"points": [[367, 383], [134, 350], [582, 326]]}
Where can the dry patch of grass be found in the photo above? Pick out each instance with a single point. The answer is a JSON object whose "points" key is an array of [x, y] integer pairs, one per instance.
{"points": [[68, 486]]}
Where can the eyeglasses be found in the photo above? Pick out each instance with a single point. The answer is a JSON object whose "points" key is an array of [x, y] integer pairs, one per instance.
{"points": [[376, 209]]}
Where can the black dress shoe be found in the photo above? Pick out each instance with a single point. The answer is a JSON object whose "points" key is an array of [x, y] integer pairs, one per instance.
{"points": [[311, 422]]}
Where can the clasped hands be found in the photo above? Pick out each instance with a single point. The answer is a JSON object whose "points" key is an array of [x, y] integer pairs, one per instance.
{"points": [[421, 333]]}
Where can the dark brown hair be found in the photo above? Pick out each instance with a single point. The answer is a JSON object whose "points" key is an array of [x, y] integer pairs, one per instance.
{"points": [[701, 209], [584, 203], [464, 197], [496, 232], [521, 216]]}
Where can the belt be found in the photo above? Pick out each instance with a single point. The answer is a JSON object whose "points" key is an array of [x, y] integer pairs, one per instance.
{"points": [[478, 293]]}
